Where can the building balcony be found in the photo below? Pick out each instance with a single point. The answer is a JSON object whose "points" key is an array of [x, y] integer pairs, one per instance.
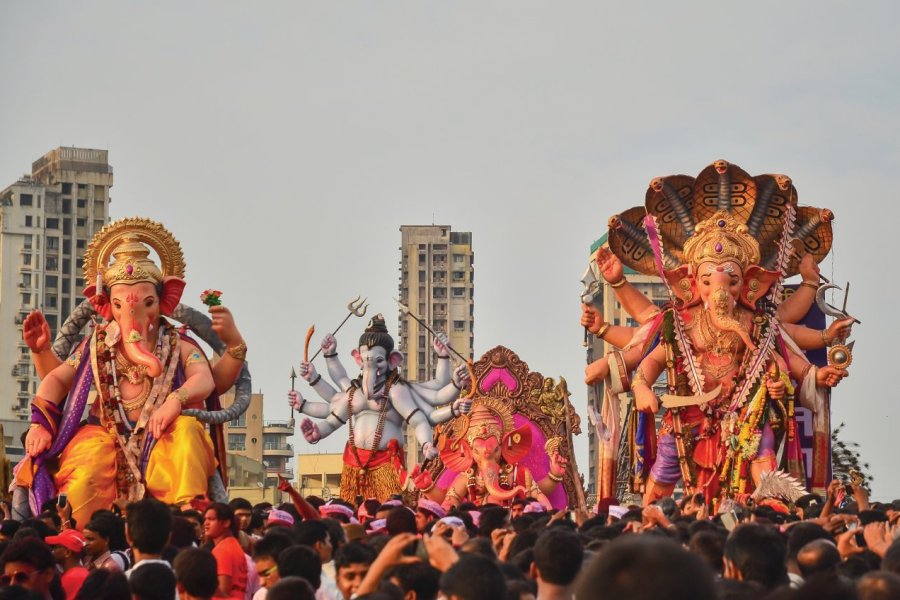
{"points": [[275, 472], [283, 427], [275, 449]]}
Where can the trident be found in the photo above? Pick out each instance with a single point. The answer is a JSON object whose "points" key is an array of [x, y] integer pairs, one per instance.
{"points": [[356, 307]]}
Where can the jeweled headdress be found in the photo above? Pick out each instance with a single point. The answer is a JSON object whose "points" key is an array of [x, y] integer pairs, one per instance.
{"points": [[720, 239], [682, 204], [482, 424], [126, 241]]}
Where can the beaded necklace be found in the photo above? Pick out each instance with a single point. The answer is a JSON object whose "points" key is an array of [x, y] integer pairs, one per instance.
{"points": [[379, 428]]}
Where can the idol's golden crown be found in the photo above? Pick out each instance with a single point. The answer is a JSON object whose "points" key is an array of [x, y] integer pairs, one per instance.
{"points": [[719, 239], [482, 425], [120, 253], [131, 264]]}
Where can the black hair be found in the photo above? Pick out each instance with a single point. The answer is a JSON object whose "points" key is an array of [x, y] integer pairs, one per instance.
{"points": [[400, 520], [224, 513], [758, 553], [708, 546], [155, 581], [184, 532], [240, 503], [301, 561], [101, 584], [376, 335], [149, 525], [31, 551], [195, 570], [110, 526], [492, 517], [643, 567], [803, 533], [272, 544], [558, 554], [353, 553], [474, 578], [310, 532], [291, 588], [421, 578]]}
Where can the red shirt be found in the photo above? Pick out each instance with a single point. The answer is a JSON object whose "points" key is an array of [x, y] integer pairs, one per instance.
{"points": [[231, 562], [72, 580]]}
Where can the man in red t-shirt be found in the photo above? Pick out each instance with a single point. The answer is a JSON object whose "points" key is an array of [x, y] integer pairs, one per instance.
{"points": [[220, 527], [68, 548]]}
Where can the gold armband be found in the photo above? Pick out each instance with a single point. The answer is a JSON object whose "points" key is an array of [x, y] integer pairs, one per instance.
{"points": [[602, 331], [619, 283], [825, 338], [194, 357], [74, 359], [810, 285], [238, 352], [181, 395], [639, 378]]}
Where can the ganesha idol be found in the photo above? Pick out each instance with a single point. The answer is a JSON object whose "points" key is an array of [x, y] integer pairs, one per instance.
{"points": [[728, 346], [509, 446], [144, 376]]}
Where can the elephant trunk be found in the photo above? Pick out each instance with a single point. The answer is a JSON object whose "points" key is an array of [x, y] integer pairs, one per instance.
{"points": [[135, 348], [491, 473], [722, 315]]}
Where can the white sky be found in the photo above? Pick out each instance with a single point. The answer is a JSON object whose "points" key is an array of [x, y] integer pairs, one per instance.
{"points": [[284, 143]]}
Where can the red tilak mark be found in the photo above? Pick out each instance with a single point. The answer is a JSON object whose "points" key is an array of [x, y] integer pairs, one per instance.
{"points": [[131, 298]]}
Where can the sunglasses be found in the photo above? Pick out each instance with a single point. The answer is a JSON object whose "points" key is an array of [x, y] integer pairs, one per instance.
{"points": [[17, 578]]}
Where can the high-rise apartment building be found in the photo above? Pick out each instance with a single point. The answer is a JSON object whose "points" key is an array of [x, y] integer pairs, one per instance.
{"points": [[437, 283], [47, 219], [652, 287], [265, 442]]}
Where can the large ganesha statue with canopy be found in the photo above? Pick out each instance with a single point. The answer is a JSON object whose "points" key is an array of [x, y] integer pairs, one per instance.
{"points": [[516, 442], [122, 412], [730, 350]]}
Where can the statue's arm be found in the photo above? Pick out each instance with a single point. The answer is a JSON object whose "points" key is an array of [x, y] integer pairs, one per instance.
{"points": [[319, 410], [36, 335], [228, 368], [439, 397], [645, 375], [336, 371], [339, 410], [813, 339], [57, 383], [795, 307], [599, 369], [412, 414]]}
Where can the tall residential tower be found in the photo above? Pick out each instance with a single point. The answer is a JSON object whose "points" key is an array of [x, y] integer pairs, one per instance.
{"points": [[46, 220]]}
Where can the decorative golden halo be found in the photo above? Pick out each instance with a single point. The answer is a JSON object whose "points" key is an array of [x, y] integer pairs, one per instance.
{"points": [[147, 231]]}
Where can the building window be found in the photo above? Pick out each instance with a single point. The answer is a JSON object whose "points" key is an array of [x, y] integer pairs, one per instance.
{"points": [[26, 280], [28, 221], [459, 292], [237, 441], [67, 188], [26, 299], [26, 259], [82, 187], [52, 242], [459, 259], [25, 199], [79, 244], [81, 222], [27, 241], [52, 263], [241, 421], [82, 203], [459, 325], [66, 285], [67, 265], [421, 258], [421, 276], [51, 281], [51, 300], [67, 205], [52, 223], [67, 226], [459, 276]]}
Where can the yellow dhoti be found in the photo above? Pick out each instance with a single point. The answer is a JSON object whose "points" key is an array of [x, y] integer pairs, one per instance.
{"points": [[180, 465]]}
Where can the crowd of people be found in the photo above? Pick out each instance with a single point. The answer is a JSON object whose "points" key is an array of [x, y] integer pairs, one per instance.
{"points": [[843, 546]]}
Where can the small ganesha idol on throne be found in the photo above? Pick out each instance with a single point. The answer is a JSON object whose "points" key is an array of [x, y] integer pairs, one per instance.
{"points": [[515, 442]]}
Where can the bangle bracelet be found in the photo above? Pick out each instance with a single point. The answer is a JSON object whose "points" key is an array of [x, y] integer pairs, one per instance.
{"points": [[181, 395], [810, 285], [454, 385], [602, 331], [825, 338], [443, 358], [619, 283], [316, 380], [238, 352], [332, 355]]}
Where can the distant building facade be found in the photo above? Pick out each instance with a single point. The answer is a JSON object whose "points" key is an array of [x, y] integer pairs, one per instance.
{"points": [[437, 283], [47, 219], [265, 442]]}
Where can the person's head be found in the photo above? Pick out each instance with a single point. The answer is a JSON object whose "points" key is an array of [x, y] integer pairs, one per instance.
{"points": [[756, 553], [148, 524], [709, 547], [8, 528], [878, 585], [101, 584], [243, 510], [154, 581], [195, 573], [492, 517], [891, 560], [800, 535], [401, 520], [818, 556], [291, 588], [417, 581], [67, 547], [557, 557], [28, 563], [300, 561], [640, 567], [52, 519], [315, 535], [265, 556], [351, 563], [218, 522], [473, 577]]}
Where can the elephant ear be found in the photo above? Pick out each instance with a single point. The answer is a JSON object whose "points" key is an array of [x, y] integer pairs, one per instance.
{"points": [[456, 456], [516, 444], [757, 282], [99, 301], [683, 285], [171, 294]]}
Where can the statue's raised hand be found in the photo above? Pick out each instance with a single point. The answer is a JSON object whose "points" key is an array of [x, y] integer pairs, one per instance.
{"points": [[809, 269], [295, 400], [830, 376], [329, 345], [36, 332], [37, 441], [839, 330], [310, 431], [609, 265], [591, 318], [224, 327], [461, 378], [429, 451], [308, 371], [462, 406], [441, 345]]}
